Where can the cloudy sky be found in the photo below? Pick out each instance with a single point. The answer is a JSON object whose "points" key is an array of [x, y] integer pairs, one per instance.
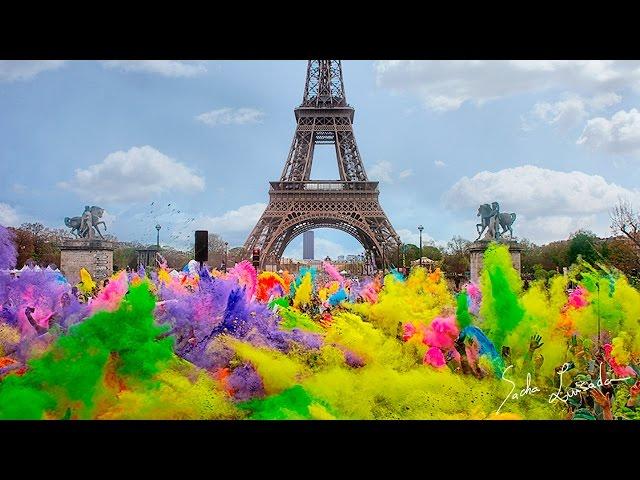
{"points": [[192, 145]]}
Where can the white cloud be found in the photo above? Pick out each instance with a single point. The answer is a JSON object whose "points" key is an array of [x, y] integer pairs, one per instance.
{"points": [[167, 68], [549, 204], [8, 215], [557, 227], [140, 173], [446, 85], [242, 219], [383, 171], [535, 190], [231, 116], [569, 112], [620, 134], [410, 236], [109, 218], [604, 100], [14, 70], [563, 114], [178, 222], [439, 163]]}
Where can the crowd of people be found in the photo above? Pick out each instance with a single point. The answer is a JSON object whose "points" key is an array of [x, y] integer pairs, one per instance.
{"points": [[202, 343]]}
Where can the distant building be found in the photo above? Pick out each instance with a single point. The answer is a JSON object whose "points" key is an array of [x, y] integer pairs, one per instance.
{"points": [[307, 245], [147, 256], [340, 258]]}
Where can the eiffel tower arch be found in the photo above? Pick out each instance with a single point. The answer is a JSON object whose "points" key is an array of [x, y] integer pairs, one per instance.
{"points": [[297, 203]]}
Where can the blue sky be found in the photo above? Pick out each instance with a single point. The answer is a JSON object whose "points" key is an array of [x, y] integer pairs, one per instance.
{"points": [[192, 145]]}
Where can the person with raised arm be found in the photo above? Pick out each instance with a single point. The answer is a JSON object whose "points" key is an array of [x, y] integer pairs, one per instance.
{"points": [[29, 314], [528, 365]]}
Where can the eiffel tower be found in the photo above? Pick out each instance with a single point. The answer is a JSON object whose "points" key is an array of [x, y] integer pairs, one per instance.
{"points": [[298, 204]]}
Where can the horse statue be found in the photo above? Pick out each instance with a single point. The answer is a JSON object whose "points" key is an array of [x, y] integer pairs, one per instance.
{"points": [[74, 224], [96, 216], [487, 213], [84, 225]]}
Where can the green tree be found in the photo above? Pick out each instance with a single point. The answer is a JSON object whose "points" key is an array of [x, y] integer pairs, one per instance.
{"points": [[539, 273], [432, 252], [585, 244], [624, 255], [456, 256], [176, 259], [236, 255], [626, 221], [531, 256], [411, 252], [556, 255], [124, 256], [36, 242]]}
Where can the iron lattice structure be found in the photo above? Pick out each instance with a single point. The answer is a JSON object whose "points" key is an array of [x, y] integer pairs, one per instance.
{"points": [[298, 204]]}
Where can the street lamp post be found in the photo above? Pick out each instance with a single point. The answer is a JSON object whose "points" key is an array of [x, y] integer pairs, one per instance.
{"points": [[383, 262], [226, 245], [158, 227], [404, 257], [420, 228], [598, 287]]}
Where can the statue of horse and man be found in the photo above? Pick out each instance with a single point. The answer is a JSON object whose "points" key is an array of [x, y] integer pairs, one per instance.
{"points": [[492, 220], [85, 225]]}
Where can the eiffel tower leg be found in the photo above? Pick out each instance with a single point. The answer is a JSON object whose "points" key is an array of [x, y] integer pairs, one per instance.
{"points": [[261, 235]]}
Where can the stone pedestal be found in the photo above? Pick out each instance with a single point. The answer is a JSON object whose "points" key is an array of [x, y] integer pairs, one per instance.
{"points": [[96, 256], [476, 250]]}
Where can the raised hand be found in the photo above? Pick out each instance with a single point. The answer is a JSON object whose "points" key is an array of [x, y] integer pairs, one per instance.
{"points": [[633, 395], [28, 313], [506, 353], [535, 343], [460, 347], [599, 356], [577, 348], [635, 389], [601, 399]]}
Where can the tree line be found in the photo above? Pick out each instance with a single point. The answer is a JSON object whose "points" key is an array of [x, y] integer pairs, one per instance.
{"points": [[621, 250], [41, 245]]}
